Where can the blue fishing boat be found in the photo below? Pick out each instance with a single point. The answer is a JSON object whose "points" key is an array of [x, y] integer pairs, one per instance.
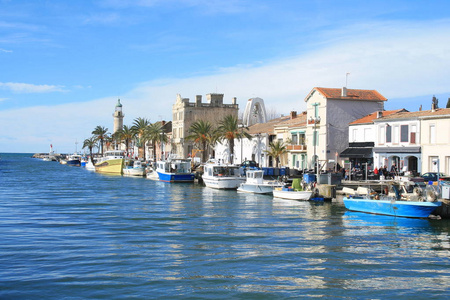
{"points": [[390, 205], [175, 170]]}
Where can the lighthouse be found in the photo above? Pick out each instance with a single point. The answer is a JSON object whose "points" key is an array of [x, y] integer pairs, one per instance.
{"points": [[118, 117]]}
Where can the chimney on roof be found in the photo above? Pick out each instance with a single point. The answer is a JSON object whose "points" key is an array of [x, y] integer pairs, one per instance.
{"points": [[420, 107], [293, 115], [234, 100], [344, 92], [379, 114]]}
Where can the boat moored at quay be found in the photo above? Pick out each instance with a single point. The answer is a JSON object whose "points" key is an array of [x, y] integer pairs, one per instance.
{"points": [[226, 177], [74, 160], [175, 170], [367, 201], [256, 184], [134, 168], [112, 163]]}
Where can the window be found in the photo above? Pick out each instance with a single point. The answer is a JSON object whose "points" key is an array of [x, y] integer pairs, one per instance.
{"points": [[412, 138], [294, 139], [367, 134], [316, 110], [382, 135], [302, 139], [432, 134], [404, 133], [388, 134], [396, 135], [354, 132]]}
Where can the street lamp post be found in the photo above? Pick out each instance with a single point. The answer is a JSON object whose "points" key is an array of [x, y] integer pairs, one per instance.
{"points": [[162, 145], [314, 120]]}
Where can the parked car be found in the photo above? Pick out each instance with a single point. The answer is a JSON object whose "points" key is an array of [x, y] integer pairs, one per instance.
{"points": [[433, 176]]}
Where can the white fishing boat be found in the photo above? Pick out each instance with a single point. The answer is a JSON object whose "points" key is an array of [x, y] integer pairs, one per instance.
{"points": [[219, 176], [294, 192], [134, 168], [151, 173], [256, 184]]}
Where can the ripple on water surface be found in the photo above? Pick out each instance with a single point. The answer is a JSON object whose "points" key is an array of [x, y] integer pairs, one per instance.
{"points": [[70, 233]]}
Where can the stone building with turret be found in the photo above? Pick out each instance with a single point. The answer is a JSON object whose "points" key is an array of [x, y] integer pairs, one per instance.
{"points": [[185, 113]]}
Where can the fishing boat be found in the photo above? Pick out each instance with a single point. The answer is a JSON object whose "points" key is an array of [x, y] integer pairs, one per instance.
{"points": [[256, 184], [112, 162], [365, 200], [218, 176], [74, 160], [175, 170], [134, 168], [294, 192]]}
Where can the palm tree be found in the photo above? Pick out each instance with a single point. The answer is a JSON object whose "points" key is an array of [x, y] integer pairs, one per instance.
{"points": [[276, 149], [101, 134], [139, 128], [126, 135], [155, 134], [90, 143], [201, 133], [229, 130]]}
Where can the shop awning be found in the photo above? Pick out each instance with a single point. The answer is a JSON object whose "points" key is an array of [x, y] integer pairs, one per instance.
{"points": [[352, 152]]}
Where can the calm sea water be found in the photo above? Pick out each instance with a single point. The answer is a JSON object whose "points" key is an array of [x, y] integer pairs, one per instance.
{"points": [[67, 233]]}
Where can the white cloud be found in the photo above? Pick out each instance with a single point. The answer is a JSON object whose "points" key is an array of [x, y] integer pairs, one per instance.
{"points": [[5, 50], [403, 62], [30, 88]]}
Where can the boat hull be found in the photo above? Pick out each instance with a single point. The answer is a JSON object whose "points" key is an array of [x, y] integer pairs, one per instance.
{"points": [[138, 172], [172, 177], [257, 188], [73, 162], [292, 195], [110, 166], [223, 183], [410, 209]]}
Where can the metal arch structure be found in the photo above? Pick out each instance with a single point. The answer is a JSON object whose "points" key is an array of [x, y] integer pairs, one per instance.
{"points": [[255, 112]]}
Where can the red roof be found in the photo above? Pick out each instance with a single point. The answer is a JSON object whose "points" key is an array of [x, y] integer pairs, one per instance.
{"points": [[352, 94], [370, 117]]}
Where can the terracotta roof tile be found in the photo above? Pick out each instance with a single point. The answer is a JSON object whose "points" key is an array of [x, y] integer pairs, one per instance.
{"points": [[269, 126], [418, 114], [334, 93], [370, 117]]}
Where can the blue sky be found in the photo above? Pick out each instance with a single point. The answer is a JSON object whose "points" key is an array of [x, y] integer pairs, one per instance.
{"points": [[64, 63]]}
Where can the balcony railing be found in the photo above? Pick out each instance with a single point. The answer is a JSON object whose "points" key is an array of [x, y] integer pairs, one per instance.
{"points": [[296, 147]]}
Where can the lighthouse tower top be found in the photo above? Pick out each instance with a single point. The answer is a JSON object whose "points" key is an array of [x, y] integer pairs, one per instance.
{"points": [[118, 117]]}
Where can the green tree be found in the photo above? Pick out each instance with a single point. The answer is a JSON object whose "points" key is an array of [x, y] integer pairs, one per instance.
{"points": [[139, 128], [448, 103], [276, 150], [101, 133], [202, 134], [126, 134], [229, 130], [90, 144], [155, 134]]}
